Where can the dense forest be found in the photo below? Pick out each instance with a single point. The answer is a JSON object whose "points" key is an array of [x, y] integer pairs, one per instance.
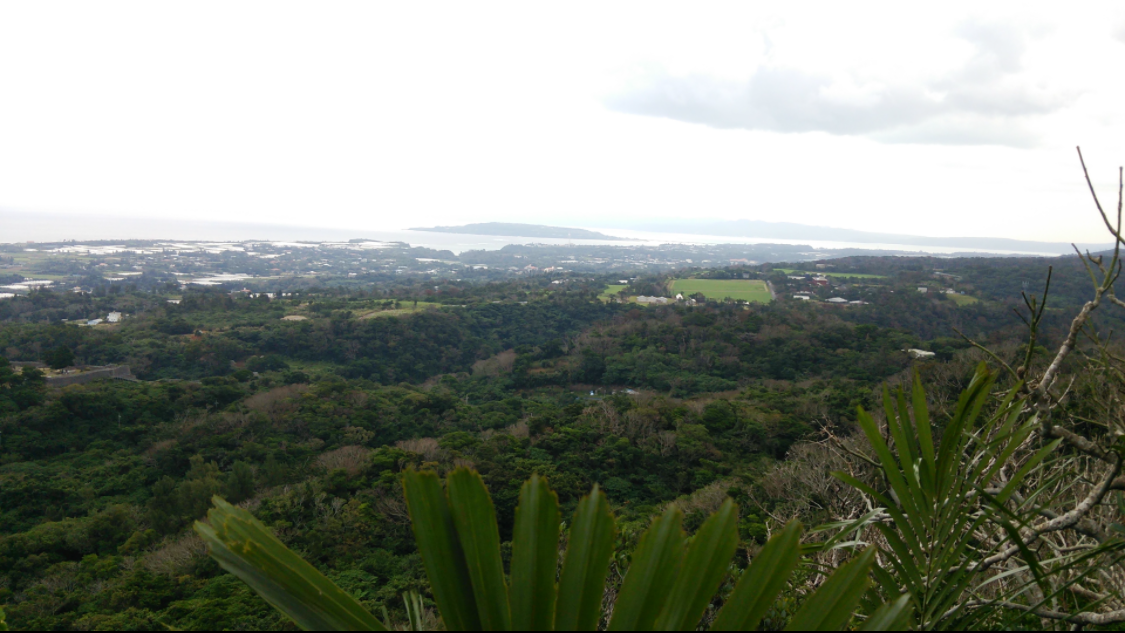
{"points": [[308, 409]]}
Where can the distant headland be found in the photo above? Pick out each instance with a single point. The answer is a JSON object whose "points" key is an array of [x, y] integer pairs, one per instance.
{"points": [[523, 230]]}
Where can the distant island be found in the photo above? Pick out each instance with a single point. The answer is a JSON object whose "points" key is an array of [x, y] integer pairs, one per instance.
{"points": [[523, 230], [793, 231]]}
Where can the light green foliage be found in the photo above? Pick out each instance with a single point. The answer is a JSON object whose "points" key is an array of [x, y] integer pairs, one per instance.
{"points": [[753, 290], [938, 498], [669, 586]]}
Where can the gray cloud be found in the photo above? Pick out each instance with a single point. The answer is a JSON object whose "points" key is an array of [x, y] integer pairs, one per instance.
{"points": [[982, 102]]}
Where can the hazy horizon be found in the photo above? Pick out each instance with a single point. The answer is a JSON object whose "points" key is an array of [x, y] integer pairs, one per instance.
{"points": [[22, 228], [941, 121]]}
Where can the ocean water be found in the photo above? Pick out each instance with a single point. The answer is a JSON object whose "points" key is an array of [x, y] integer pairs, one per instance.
{"points": [[19, 227]]}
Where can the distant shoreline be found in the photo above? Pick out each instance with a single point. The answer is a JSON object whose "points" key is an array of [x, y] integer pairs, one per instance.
{"points": [[504, 229]]}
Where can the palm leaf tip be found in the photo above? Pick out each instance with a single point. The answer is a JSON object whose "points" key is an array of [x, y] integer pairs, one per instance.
{"points": [[650, 578], [588, 553], [442, 555], [705, 564], [832, 606], [475, 519], [762, 582], [247, 549], [535, 557]]}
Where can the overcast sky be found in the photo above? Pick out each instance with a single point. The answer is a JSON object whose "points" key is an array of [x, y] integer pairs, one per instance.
{"points": [[943, 119]]}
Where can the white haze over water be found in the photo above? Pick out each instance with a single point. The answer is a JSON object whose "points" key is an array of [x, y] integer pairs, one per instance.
{"points": [[19, 228]]}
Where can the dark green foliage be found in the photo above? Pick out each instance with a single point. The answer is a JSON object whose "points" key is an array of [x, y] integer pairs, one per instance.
{"points": [[60, 358], [20, 390], [312, 424]]}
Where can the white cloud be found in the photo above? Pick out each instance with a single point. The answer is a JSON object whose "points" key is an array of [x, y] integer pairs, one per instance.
{"points": [[979, 102], [893, 117]]}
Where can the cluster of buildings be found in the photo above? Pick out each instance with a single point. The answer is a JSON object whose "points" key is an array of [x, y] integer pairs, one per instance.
{"points": [[112, 317]]}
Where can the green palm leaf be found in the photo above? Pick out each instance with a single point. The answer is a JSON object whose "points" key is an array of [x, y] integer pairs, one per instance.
{"points": [[535, 557], [651, 575], [892, 616], [588, 552], [436, 535], [703, 568], [247, 549], [762, 582], [831, 607], [475, 519]]}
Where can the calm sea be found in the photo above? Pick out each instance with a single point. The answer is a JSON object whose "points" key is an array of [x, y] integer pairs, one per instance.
{"points": [[39, 227]]}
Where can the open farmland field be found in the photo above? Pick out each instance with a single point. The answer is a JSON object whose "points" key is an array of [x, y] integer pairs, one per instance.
{"points": [[611, 291], [754, 290], [963, 300]]}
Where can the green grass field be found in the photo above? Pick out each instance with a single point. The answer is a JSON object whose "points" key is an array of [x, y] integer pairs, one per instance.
{"points": [[611, 291], [790, 271], [963, 300], [753, 290], [406, 308]]}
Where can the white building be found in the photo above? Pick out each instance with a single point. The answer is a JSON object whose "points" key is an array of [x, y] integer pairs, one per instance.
{"points": [[837, 300], [801, 297], [923, 290], [920, 354], [652, 300], [114, 317]]}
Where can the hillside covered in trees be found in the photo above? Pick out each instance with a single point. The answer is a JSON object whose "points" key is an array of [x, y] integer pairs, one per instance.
{"points": [[307, 410]]}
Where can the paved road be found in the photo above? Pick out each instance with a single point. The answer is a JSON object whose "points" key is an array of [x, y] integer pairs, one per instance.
{"points": [[773, 294]]}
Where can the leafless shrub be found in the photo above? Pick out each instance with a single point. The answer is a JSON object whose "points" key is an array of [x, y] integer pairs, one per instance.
{"points": [[501, 363], [802, 486], [276, 402], [356, 399], [707, 499], [519, 429], [176, 556], [351, 459], [158, 447], [186, 422], [391, 504], [665, 442], [427, 447]]}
